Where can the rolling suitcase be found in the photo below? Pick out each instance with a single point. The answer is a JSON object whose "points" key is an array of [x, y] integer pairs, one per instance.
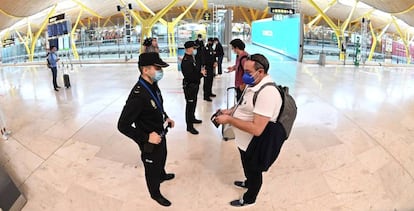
{"points": [[226, 129], [66, 79]]}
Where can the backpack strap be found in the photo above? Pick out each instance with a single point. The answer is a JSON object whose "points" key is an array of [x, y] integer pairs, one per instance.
{"points": [[240, 67], [260, 89], [279, 88]]}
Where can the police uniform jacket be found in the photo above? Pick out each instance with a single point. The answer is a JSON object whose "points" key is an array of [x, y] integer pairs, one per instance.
{"points": [[210, 56], [200, 53], [189, 70], [141, 114]]}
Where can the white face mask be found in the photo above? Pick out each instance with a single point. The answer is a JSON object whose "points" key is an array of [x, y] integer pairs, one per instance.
{"points": [[194, 51]]}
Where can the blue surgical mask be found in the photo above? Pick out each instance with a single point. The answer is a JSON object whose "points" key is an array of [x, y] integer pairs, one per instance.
{"points": [[158, 75], [194, 52], [248, 79]]}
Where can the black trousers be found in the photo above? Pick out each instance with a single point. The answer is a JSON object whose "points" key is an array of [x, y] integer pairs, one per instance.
{"points": [[54, 76], [154, 164], [190, 94], [254, 179], [219, 65], [208, 82]]}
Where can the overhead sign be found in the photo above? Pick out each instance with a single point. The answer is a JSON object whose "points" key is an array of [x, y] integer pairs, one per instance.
{"points": [[283, 11], [207, 16], [57, 18]]}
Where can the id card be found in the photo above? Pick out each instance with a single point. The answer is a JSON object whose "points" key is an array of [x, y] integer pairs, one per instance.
{"points": [[165, 125]]}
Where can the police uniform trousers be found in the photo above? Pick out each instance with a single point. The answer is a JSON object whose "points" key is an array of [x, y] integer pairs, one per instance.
{"points": [[219, 65], [208, 82], [154, 164], [190, 93]]}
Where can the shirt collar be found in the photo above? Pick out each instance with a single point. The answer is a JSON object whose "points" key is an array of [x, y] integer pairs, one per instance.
{"points": [[264, 80]]}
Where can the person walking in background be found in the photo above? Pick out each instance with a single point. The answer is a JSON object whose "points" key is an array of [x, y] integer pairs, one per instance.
{"points": [[210, 64], [191, 83], [255, 122], [144, 120], [150, 45], [238, 46], [219, 54], [53, 60]]}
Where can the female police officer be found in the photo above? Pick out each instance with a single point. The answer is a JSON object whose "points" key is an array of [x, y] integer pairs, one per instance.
{"points": [[144, 120], [191, 83]]}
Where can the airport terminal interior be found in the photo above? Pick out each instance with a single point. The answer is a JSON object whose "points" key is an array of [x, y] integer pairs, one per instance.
{"points": [[352, 143]]}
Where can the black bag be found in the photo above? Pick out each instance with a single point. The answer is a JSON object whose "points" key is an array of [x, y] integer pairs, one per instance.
{"points": [[47, 60]]}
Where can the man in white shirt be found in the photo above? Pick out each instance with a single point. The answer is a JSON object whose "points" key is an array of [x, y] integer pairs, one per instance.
{"points": [[250, 119]]}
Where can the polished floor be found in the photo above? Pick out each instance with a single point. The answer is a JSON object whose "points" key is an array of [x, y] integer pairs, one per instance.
{"points": [[351, 149]]}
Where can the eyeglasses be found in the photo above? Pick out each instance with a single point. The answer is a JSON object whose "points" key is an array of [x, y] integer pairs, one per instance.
{"points": [[251, 57]]}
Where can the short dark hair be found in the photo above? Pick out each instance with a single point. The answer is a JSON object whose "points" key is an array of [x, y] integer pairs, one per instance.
{"points": [[238, 43], [53, 46], [199, 35], [260, 61]]}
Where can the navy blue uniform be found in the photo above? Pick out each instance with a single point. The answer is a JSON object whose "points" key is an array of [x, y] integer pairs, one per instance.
{"points": [[191, 83], [140, 116]]}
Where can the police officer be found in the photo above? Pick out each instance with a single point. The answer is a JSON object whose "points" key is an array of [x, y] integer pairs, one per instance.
{"points": [[210, 64], [199, 56], [144, 120], [191, 84]]}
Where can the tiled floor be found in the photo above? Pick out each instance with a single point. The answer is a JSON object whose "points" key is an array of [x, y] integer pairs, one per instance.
{"points": [[352, 147]]}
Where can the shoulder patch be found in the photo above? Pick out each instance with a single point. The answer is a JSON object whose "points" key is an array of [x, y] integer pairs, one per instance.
{"points": [[137, 89]]}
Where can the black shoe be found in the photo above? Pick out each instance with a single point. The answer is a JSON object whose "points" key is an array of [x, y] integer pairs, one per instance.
{"points": [[240, 184], [213, 95], [167, 177], [197, 121], [161, 200], [56, 89], [208, 99], [192, 131], [240, 203]]}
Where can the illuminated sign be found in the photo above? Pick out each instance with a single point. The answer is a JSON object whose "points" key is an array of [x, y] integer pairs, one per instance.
{"points": [[282, 11]]}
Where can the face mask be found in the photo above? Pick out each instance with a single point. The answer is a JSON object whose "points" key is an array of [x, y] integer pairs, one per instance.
{"points": [[158, 75], [248, 79], [214, 46], [194, 52], [199, 39]]}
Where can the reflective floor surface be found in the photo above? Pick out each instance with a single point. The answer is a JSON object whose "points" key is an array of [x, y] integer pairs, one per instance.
{"points": [[351, 149]]}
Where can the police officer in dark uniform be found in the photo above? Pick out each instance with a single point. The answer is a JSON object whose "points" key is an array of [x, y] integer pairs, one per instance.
{"points": [[144, 120], [199, 56], [210, 64], [191, 83]]}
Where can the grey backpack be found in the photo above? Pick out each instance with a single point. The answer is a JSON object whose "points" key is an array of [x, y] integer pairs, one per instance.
{"points": [[288, 110]]}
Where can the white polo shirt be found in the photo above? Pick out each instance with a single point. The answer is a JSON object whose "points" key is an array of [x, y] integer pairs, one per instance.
{"points": [[268, 103]]}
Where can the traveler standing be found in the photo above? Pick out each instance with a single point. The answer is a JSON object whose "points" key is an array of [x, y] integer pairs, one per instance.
{"points": [[191, 83], [252, 121], [144, 120], [53, 60], [238, 46]]}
